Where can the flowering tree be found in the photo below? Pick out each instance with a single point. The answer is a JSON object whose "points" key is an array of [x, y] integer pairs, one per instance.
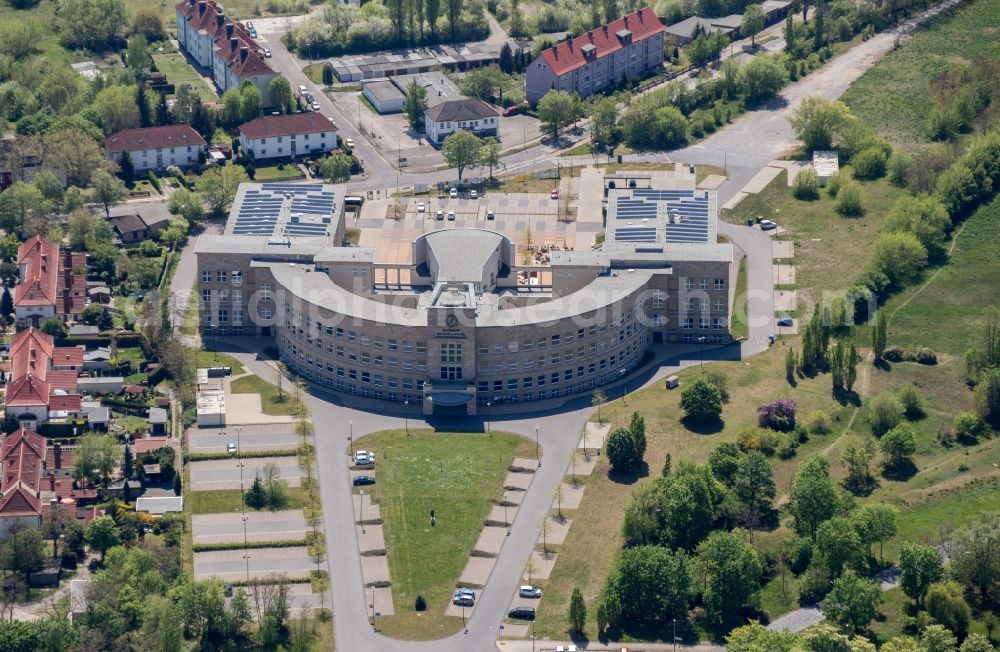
{"points": [[777, 415]]}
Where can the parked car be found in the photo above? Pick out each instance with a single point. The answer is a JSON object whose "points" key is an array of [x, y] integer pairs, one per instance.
{"points": [[267, 53], [303, 90], [253, 33], [451, 216], [490, 215], [522, 613], [363, 480], [509, 111], [314, 106], [554, 194], [473, 194], [786, 322], [349, 143], [464, 598], [529, 591], [453, 193], [439, 215], [767, 225], [231, 448], [309, 98], [421, 207]]}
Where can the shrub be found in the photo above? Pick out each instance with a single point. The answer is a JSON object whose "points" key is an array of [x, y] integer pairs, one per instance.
{"points": [[701, 400], [777, 415], [801, 434], [894, 354], [912, 401], [833, 184], [806, 185], [720, 381], [899, 168], [966, 426], [621, 450], [420, 604], [797, 552], [869, 163], [818, 422], [850, 199], [884, 413], [758, 439], [153, 180], [815, 582], [925, 356], [787, 444]]}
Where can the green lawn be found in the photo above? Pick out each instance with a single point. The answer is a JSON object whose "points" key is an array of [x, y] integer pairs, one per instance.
{"points": [[228, 500], [271, 400], [458, 475], [213, 359], [272, 173], [179, 71], [739, 326]]}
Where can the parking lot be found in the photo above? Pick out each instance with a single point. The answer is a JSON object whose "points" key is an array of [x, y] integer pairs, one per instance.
{"points": [[231, 565], [225, 474], [252, 438], [261, 526]]}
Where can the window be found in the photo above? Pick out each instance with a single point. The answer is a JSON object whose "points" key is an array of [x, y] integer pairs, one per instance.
{"points": [[339, 333], [555, 340], [451, 361], [206, 296], [498, 348], [352, 336], [703, 284], [512, 384], [265, 291], [483, 349], [719, 305], [659, 301], [718, 324], [206, 276], [237, 277], [265, 313], [720, 284], [689, 322], [221, 276], [688, 283], [703, 323], [223, 315], [422, 347]]}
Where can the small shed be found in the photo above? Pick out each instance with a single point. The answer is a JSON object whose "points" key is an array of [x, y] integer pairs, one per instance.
{"points": [[157, 421], [77, 330], [826, 164], [101, 385], [78, 591], [160, 505], [673, 382], [151, 471], [384, 96], [98, 416], [100, 294]]}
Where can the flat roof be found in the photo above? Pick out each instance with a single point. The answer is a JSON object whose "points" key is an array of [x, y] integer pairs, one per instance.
{"points": [[825, 163], [687, 27], [462, 254], [439, 87], [283, 210], [383, 90]]}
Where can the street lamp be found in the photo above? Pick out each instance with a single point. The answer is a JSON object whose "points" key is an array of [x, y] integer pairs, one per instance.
{"points": [[350, 436], [505, 521], [624, 386], [537, 455], [701, 351], [488, 418], [406, 416], [675, 635]]}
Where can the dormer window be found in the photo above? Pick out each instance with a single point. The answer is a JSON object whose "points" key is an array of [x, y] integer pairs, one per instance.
{"points": [[589, 51], [624, 35]]}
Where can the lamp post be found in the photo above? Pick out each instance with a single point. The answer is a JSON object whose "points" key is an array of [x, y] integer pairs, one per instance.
{"points": [[406, 416], [505, 521], [537, 455], [350, 436], [701, 351], [488, 418], [624, 386], [361, 512]]}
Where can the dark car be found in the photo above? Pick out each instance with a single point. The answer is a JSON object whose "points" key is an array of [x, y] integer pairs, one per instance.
{"points": [[522, 613], [362, 480], [509, 111], [786, 321]]}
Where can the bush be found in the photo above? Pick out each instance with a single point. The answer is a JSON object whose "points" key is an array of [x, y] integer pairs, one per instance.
{"points": [[777, 415], [815, 582], [925, 356], [420, 604], [801, 434], [806, 185], [899, 168], [818, 422], [894, 354], [884, 413], [720, 381], [912, 402], [833, 184], [850, 199], [966, 426], [758, 439], [153, 180], [701, 401], [787, 445], [797, 552], [869, 163]]}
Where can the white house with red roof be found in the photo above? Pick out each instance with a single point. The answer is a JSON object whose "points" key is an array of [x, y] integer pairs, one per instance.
{"points": [[43, 379], [223, 46], [157, 148], [51, 283], [22, 465], [624, 48], [288, 136]]}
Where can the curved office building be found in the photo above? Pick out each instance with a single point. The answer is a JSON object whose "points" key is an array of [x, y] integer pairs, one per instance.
{"points": [[461, 323]]}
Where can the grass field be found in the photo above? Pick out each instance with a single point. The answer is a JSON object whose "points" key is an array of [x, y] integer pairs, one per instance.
{"points": [[271, 400], [179, 71], [458, 475], [272, 173], [214, 359], [228, 500], [897, 95]]}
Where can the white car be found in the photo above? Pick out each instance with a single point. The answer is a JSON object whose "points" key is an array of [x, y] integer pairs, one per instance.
{"points": [[453, 193], [767, 225], [421, 207], [267, 53], [366, 455], [529, 591], [231, 448], [302, 90], [451, 215], [439, 215], [473, 194], [314, 106]]}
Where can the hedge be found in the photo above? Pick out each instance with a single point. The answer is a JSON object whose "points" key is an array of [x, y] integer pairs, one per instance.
{"points": [[210, 547], [204, 457], [154, 181]]}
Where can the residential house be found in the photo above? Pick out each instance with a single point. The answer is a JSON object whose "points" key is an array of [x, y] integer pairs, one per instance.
{"points": [[444, 119], [43, 382], [596, 60], [97, 359], [22, 456], [157, 421], [129, 228], [156, 148], [288, 136], [51, 283], [222, 46]]}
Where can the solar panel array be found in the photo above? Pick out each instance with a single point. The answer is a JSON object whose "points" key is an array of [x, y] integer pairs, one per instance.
{"points": [[311, 210], [687, 215]]}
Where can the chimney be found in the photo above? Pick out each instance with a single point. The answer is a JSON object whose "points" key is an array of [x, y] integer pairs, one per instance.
{"points": [[229, 29], [57, 454], [244, 52], [202, 5], [233, 43]]}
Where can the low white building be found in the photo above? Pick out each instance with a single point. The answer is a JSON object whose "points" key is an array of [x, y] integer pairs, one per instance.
{"points": [[156, 148], [444, 119], [384, 96], [288, 136]]}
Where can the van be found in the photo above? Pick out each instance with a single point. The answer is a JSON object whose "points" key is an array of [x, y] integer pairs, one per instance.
{"points": [[522, 613]]}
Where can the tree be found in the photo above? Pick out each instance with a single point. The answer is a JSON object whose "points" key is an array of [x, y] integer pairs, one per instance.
{"points": [[280, 93], [850, 199], [919, 567], [923, 216], [912, 402], [92, 24], [900, 256], [116, 109], [731, 569], [54, 326], [754, 637], [21, 203], [812, 496], [753, 22], [856, 454], [620, 449], [50, 186], [637, 430], [6, 303], [256, 497], [816, 121], [790, 33], [102, 535], [884, 413], [840, 545], [126, 170], [489, 154], [336, 168], [250, 102], [946, 604], [75, 155], [597, 399], [461, 150], [108, 190], [611, 10], [987, 396], [646, 582], [128, 463], [275, 487], [753, 486], [806, 185], [138, 59], [454, 11], [724, 460], [875, 523], [935, 638], [973, 556], [853, 601], [762, 78], [701, 401], [149, 23], [432, 9], [604, 125], [415, 107], [556, 109], [976, 643], [23, 552], [218, 186], [186, 204], [879, 334], [898, 445], [577, 615]]}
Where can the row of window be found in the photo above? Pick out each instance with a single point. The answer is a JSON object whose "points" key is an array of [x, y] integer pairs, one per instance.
{"points": [[263, 141]]}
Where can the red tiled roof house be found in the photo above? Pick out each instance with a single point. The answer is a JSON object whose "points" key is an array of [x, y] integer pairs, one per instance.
{"points": [[288, 136], [22, 464], [43, 379], [223, 46], [624, 48], [52, 283], [156, 148]]}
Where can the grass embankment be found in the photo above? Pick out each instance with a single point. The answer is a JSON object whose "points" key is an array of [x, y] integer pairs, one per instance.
{"points": [[272, 401], [459, 476], [228, 500], [179, 72]]}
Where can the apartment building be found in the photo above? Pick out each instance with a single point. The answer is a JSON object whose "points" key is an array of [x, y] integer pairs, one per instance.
{"points": [[157, 148], [288, 136], [51, 283]]}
